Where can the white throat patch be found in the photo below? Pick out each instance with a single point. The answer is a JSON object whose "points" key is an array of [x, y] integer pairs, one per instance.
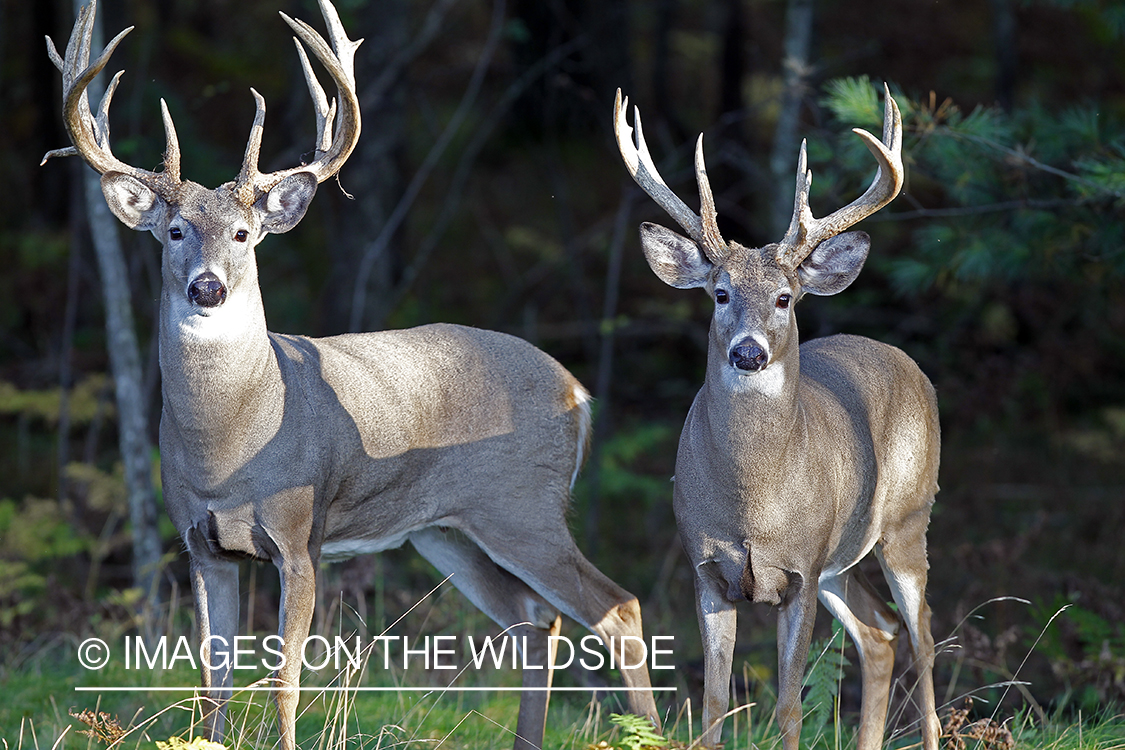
{"points": [[768, 382]]}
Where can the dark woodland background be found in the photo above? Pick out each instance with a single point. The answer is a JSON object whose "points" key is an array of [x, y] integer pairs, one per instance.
{"points": [[488, 191]]}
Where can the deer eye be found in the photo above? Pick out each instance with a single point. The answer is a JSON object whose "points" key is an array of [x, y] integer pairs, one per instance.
{"points": [[241, 235], [175, 233], [783, 301], [721, 296]]}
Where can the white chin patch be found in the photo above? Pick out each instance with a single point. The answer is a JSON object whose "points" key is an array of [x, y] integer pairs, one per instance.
{"points": [[209, 323], [768, 381]]}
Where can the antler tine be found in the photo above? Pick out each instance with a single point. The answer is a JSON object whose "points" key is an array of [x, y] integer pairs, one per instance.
{"points": [[246, 186], [90, 134], [332, 148], [642, 169], [171, 142], [714, 246], [325, 112], [802, 216], [805, 232]]}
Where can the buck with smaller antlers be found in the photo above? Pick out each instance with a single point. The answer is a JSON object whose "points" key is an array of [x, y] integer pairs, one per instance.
{"points": [[296, 450], [796, 461]]}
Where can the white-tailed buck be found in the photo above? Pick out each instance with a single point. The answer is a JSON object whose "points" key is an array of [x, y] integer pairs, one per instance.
{"points": [[797, 461], [297, 450]]}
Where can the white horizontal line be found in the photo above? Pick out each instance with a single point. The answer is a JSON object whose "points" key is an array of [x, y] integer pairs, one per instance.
{"points": [[336, 689]]}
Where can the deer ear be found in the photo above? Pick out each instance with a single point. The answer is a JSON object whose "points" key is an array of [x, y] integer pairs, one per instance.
{"points": [[133, 202], [285, 204], [677, 260], [834, 264]]}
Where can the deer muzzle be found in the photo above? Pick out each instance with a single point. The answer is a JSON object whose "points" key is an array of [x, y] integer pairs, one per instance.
{"points": [[207, 290]]}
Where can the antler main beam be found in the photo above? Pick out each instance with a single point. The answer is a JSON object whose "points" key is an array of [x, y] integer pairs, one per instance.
{"points": [[89, 134], [703, 229], [332, 149], [806, 232]]}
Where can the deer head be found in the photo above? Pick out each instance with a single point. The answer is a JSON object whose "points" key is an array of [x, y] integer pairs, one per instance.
{"points": [[755, 289], [209, 235]]}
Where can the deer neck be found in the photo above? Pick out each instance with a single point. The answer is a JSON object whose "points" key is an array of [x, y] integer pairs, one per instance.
{"points": [[761, 409], [217, 365]]}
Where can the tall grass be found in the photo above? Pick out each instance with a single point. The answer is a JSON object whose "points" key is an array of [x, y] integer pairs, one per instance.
{"points": [[421, 709]]}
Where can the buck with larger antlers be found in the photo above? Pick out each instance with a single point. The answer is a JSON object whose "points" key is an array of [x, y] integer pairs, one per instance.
{"points": [[797, 461], [296, 450]]}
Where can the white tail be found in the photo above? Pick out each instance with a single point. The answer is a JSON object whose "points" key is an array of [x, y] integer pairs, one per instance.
{"points": [[796, 461], [296, 450]]}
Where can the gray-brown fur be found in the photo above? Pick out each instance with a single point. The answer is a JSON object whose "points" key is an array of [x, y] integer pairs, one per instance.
{"points": [[797, 460], [297, 450]]}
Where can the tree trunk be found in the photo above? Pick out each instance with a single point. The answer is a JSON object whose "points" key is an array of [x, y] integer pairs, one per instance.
{"points": [[733, 67], [125, 364], [1007, 59], [795, 71]]}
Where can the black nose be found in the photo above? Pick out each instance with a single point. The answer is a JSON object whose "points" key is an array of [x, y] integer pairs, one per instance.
{"points": [[207, 290], [750, 357]]}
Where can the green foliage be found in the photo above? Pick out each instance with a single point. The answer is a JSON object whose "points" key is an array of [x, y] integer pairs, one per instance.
{"points": [[636, 732], [20, 588], [621, 477], [1015, 195], [1085, 649], [41, 539], [35, 536], [84, 401], [823, 681], [854, 101], [37, 530]]}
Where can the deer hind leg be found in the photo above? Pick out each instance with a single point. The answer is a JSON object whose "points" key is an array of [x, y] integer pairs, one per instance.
{"points": [[215, 586], [903, 559], [873, 627], [547, 559], [512, 604], [614, 615]]}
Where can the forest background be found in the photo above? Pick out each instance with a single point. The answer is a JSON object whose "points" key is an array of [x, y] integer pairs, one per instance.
{"points": [[488, 191]]}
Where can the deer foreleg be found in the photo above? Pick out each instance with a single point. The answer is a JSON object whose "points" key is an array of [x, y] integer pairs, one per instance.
{"points": [[794, 631], [718, 621], [298, 596], [215, 585]]}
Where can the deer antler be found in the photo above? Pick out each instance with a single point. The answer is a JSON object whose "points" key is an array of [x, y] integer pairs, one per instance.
{"points": [[805, 232], [704, 230], [330, 154], [90, 135]]}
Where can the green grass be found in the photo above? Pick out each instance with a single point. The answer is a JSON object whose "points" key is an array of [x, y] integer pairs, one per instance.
{"points": [[38, 694], [37, 702]]}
